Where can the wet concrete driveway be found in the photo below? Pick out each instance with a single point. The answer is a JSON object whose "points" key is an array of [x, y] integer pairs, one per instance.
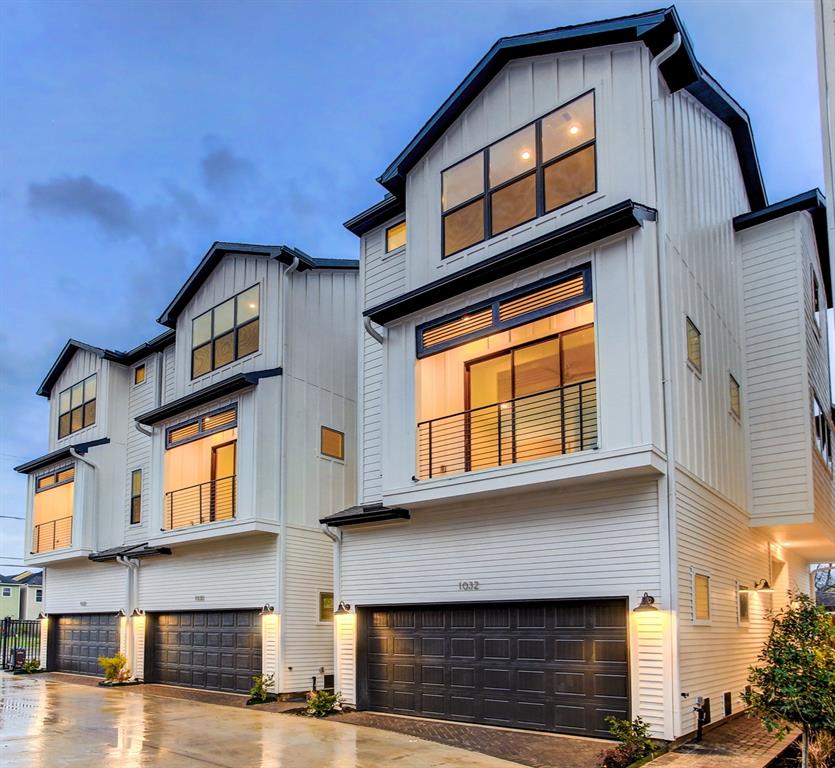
{"points": [[45, 723]]}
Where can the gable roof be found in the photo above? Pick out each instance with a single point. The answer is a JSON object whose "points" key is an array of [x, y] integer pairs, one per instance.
{"points": [[214, 256], [655, 29], [124, 358]]}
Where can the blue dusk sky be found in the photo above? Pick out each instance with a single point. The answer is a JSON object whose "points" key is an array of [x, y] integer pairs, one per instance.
{"points": [[134, 134]]}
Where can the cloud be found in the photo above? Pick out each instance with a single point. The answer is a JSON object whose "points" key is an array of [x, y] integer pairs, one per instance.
{"points": [[224, 171], [83, 197]]}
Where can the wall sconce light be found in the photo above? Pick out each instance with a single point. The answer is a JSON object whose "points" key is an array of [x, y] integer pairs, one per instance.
{"points": [[121, 613], [268, 610], [342, 609], [137, 612], [647, 603], [763, 586], [43, 615]]}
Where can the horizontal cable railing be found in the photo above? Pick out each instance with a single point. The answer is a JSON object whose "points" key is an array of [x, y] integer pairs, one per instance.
{"points": [[550, 423], [55, 534], [201, 503]]}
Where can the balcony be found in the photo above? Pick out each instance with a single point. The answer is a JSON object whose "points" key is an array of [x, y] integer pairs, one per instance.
{"points": [[554, 422], [52, 535], [208, 502]]}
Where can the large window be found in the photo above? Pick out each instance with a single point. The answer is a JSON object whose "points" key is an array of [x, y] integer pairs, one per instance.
{"points": [[77, 407], [535, 170], [225, 333]]}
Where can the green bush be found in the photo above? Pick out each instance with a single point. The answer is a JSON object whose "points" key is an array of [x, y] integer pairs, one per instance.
{"points": [[33, 665], [635, 743], [260, 693], [115, 668], [323, 703]]}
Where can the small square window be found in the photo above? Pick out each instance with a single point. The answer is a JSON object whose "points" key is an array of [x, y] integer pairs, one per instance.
{"points": [[7, 591], [742, 604], [38, 595], [326, 606], [694, 345], [333, 443], [736, 403], [139, 374], [396, 237], [701, 598]]}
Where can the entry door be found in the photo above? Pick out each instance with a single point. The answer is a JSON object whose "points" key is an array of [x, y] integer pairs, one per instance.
{"points": [[223, 482]]}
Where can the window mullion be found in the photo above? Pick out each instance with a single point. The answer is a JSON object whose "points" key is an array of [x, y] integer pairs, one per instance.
{"points": [[540, 173], [488, 198]]}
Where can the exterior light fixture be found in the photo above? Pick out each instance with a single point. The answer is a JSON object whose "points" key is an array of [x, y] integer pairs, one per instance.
{"points": [[647, 603], [763, 586], [268, 610], [137, 612], [343, 608], [121, 613], [43, 615]]}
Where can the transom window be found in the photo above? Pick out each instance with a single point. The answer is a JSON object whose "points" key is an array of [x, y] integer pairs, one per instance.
{"points": [[195, 429], [396, 237], [535, 170], [59, 477], [77, 407], [225, 333]]}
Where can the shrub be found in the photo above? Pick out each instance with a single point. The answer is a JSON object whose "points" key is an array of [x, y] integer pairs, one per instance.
{"points": [[634, 739], [33, 665], [260, 693], [323, 703], [115, 668]]}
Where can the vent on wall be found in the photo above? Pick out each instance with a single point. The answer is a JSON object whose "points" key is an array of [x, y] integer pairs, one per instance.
{"points": [[545, 297], [463, 326]]}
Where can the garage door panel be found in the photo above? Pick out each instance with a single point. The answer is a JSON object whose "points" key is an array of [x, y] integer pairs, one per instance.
{"points": [[82, 638], [543, 666], [217, 650]]}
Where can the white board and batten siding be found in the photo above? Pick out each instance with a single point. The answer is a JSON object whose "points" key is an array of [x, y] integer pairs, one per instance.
{"points": [[85, 587]]}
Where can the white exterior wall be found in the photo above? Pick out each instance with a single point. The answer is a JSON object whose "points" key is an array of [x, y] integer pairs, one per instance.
{"points": [[85, 587]]}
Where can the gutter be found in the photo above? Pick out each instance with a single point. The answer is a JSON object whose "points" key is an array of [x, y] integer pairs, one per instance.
{"points": [[670, 580]]}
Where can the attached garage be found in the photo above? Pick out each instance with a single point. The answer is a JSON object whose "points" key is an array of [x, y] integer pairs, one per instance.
{"points": [[80, 639], [216, 650], [560, 666]]}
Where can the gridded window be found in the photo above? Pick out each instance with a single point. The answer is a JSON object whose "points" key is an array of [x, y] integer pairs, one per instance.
{"points": [[59, 477], [139, 374], [77, 407], [333, 443], [743, 603], [7, 591], [823, 433], [326, 606], [396, 237], [225, 333], [701, 597], [694, 345], [136, 496], [535, 170], [38, 595], [735, 398]]}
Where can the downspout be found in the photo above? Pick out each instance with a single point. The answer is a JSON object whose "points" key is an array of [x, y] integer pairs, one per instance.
{"points": [[372, 331], [282, 473], [336, 537], [659, 144]]}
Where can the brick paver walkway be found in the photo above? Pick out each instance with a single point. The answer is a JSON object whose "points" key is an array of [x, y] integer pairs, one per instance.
{"points": [[741, 743], [538, 750]]}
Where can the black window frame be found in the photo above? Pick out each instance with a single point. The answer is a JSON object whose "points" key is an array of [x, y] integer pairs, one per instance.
{"points": [[83, 406], [136, 372], [234, 330], [39, 595], [55, 475], [201, 430], [136, 499], [538, 171], [386, 236]]}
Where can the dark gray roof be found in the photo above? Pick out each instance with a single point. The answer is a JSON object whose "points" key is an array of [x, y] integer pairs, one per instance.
{"points": [[32, 580], [128, 550], [368, 513], [59, 455], [215, 254]]}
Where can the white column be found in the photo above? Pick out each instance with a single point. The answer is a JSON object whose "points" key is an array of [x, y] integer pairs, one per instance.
{"points": [[44, 639], [271, 648]]}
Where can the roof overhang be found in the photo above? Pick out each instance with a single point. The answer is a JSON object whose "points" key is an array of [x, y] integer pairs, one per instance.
{"points": [[133, 550], [59, 455], [611, 221], [218, 251], [814, 203], [206, 395], [379, 213], [656, 29], [368, 513]]}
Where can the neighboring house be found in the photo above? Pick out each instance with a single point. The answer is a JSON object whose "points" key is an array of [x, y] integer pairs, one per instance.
{"points": [[21, 595], [184, 479], [594, 374], [827, 600]]}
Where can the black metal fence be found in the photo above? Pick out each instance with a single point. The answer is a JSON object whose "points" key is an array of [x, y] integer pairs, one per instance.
{"points": [[56, 534], [20, 641], [203, 503], [551, 423]]}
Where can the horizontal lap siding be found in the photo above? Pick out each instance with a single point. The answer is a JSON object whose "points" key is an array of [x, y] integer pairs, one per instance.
{"points": [[239, 572], [102, 586], [308, 643], [714, 538]]}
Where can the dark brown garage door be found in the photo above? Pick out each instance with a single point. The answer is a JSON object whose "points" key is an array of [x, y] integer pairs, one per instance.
{"points": [[546, 666], [82, 638], [217, 650]]}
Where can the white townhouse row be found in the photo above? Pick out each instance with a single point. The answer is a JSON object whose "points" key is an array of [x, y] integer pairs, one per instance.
{"points": [[176, 511], [595, 423], [550, 454]]}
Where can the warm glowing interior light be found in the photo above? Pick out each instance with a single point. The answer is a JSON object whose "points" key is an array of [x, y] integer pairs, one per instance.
{"points": [[574, 130], [526, 155], [251, 305], [504, 406]]}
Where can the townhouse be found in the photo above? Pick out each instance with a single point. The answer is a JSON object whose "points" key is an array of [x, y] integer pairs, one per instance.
{"points": [[176, 511], [595, 424]]}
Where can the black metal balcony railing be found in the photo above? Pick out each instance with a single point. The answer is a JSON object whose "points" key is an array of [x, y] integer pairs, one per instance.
{"points": [[55, 534], [551, 423], [202, 503]]}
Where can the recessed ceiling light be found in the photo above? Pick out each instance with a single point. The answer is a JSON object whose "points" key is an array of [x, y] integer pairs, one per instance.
{"points": [[526, 155], [574, 130]]}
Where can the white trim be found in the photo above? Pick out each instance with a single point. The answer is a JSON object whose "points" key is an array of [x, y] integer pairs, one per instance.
{"points": [[740, 621]]}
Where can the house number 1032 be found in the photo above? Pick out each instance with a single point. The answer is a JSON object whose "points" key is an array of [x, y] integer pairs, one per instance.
{"points": [[468, 586]]}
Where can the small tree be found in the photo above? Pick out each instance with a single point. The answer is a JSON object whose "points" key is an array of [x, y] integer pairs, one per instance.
{"points": [[794, 684], [115, 668]]}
